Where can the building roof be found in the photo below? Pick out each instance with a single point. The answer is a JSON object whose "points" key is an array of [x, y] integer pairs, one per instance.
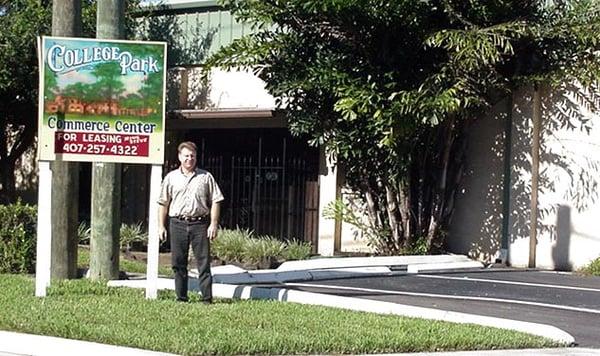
{"points": [[180, 4]]}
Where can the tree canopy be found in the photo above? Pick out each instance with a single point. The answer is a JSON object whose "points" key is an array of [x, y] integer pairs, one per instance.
{"points": [[389, 87], [22, 21]]}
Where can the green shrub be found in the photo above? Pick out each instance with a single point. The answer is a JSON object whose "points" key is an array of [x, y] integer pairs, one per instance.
{"points": [[593, 268], [240, 246], [17, 238], [418, 247], [262, 252], [131, 233], [296, 250], [128, 235], [230, 245], [83, 233]]}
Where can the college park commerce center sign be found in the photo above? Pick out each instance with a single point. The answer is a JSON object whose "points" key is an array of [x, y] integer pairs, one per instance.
{"points": [[102, 100]]}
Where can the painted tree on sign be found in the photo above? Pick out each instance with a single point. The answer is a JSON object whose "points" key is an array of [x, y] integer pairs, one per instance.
{"points": [[389, 88]]}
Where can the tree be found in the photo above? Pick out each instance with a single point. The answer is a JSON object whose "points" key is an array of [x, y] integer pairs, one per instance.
{"points": [[389, 88], [21, 22]]}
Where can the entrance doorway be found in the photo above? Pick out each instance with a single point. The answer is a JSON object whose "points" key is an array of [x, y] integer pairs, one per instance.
{"points": [[268, 177]]}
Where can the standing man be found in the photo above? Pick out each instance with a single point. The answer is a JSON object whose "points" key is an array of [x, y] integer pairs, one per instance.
{"points": [[190, 198]]}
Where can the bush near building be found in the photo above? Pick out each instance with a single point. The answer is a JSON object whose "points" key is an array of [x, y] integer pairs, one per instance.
{"points": [[17, 238], [593, 269]]}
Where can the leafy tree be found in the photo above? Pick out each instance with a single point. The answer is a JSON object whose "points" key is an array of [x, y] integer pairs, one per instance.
{"points": [[21, 22], [389, 88]]}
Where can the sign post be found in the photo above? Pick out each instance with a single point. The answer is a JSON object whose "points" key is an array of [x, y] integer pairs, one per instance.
{"points": [[100, 101]]}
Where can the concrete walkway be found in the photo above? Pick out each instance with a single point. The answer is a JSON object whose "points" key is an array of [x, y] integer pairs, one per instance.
{"points": [[233, 282]]}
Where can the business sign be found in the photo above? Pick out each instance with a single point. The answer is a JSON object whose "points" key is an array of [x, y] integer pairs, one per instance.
{"points": [[102, 100]]}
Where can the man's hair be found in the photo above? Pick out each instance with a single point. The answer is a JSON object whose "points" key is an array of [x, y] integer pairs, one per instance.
{"points": [[187, 144]]}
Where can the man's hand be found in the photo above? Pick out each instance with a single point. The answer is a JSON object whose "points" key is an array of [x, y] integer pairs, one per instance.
{"points": [[212, 231], [162, 234]]}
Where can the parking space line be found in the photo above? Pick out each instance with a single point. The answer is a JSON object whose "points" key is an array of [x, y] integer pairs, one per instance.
{"points": [[465, 278], [444, 296]]}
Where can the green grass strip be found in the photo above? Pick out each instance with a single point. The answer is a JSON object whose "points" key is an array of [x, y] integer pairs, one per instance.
{"points": [[85, 310], [83, 261]]}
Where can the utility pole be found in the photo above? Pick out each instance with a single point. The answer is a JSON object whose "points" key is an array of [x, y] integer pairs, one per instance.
{"points": [[66, 22], [106, 177]]}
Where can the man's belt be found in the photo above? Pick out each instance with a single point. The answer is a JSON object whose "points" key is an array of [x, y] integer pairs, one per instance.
{"points": [[192, 218]]}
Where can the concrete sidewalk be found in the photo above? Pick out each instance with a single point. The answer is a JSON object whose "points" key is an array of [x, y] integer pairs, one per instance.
{"points": [[233, 282], [17, 344]]}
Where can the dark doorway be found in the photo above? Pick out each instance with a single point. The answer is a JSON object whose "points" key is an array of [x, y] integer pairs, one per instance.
{"points": [[268, 177]]}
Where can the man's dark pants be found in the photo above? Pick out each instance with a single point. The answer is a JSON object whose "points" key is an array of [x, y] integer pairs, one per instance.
{"points": [[182, 234]]}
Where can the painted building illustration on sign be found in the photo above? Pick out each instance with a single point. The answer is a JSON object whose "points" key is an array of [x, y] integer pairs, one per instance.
{"points": [[102, 100]]}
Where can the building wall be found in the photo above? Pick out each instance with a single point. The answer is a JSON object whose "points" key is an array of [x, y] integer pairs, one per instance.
{"points": [[476, 226], [568, 237]]}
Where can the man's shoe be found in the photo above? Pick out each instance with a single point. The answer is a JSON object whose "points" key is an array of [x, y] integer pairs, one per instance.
{"points": [[206, 301], [185, 300]]}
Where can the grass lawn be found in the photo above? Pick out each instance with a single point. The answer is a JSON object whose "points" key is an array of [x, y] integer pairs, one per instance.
{"points": [[128, 265], [81, 309]]}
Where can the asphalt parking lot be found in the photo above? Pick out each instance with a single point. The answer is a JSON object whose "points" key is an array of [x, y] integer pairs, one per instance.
{"points": [[567, 301]]}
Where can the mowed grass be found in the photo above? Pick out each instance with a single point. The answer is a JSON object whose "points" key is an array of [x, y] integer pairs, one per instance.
{"points": [[132, 266], [85, 310]]}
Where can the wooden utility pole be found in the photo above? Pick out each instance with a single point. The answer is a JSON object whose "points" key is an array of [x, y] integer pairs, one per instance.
{"points": [[106, 177], [66, 22]]}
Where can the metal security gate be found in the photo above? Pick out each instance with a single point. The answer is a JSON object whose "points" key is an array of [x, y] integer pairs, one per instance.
{"points": [[269, 191]]}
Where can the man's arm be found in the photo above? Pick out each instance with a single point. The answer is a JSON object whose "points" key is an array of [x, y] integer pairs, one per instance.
{"points": [[215, 211], [162, 222]]}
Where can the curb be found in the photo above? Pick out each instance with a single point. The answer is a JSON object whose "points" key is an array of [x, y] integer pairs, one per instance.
{"points": [[346, 267]]}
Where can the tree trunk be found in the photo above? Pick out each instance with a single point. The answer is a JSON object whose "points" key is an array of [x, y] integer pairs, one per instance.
{"points": [[106, 177], [404, 202], [439, 195], [392, 212], [66, 22]]}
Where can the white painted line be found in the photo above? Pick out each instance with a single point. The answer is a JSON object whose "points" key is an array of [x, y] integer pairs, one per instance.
{"points": [[443, 296], [510, 282]]}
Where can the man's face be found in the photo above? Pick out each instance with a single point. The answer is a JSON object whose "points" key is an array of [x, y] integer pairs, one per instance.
{"points": [[187, 158]]}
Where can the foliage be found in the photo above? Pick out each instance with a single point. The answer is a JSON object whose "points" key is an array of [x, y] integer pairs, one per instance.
{"points": [[83, 233], [17, 238], [240, 246], [22, 21], [389, 89], [91, 311], [185, 48], [593, 269], [130, 234], [230, 244], [295, 250], [262, 251], [374, 236]]}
